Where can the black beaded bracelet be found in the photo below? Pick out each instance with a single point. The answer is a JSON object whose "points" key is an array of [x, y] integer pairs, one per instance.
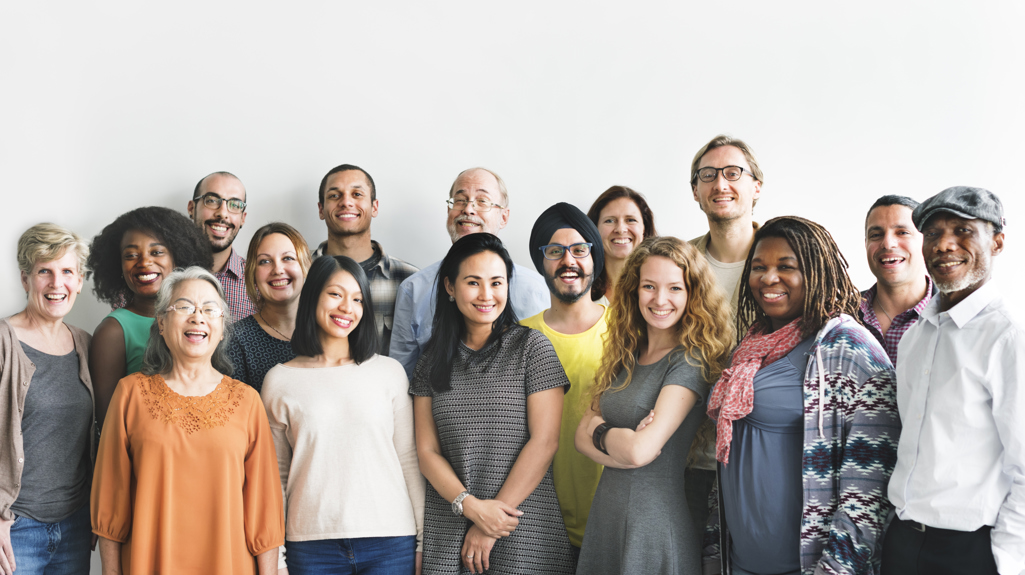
{"points": [[599, 437]]}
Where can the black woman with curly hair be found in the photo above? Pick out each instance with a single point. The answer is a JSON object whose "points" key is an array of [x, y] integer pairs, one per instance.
{"points": [[128, 261]]}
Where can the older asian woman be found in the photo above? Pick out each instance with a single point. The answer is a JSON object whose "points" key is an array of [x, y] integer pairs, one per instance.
{"points": [[128, 262], [276, 268], [186, 478], [46, 413], [487, 407], [806, 416]]}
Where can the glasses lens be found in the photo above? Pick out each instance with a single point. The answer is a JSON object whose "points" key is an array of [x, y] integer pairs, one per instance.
{"points": [[707, 174], [732, 173], [212, 202], [184, 309], [213, 312], [554, 252], [482, 204], [236, 205], [579, 250]]}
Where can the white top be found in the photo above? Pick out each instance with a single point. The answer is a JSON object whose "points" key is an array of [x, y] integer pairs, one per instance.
{"points": [[346, 450], [961, 396]]}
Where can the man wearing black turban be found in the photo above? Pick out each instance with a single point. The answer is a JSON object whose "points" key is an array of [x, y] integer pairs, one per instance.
{"points": [[575, 326]]}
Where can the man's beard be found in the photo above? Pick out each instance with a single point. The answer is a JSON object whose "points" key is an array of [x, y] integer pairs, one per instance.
{"points": [[975, 275], [567, 297]]}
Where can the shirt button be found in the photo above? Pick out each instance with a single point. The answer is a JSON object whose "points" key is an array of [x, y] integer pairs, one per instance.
{"points": [[925, 371], [21, 460]]}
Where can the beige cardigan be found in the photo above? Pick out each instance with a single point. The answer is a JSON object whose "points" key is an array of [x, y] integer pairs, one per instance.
{"points": [[15, 375]]}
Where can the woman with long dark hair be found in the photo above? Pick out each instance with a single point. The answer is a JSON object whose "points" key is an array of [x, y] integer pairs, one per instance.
{"points": [[806, 414], [488, 407], [342, 421], [669, 337]]}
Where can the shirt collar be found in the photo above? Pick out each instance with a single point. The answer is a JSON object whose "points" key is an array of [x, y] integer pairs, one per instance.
{"points": [[966, 310], [868, 298], [236, 265]]}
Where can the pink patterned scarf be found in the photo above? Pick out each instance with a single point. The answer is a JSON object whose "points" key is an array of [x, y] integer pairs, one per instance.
{"points": [[733, 395]]}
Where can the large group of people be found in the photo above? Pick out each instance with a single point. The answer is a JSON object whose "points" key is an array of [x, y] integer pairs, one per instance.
{"points": [[635, 403]]}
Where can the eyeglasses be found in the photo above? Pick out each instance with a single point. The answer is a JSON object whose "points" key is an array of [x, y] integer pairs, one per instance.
{"points": [[189, 309], [213, 201], [480, 204], [731, 173], [556, 251]]}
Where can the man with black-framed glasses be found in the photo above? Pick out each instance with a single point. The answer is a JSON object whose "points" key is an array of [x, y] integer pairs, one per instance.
{"points": [[218, 206], [566, 249], [726, 183]]}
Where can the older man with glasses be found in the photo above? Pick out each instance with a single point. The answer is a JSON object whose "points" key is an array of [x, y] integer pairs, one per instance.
{"points": [[477, 202], [218, 206]]}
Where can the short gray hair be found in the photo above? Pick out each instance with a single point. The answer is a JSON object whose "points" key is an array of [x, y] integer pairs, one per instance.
{"points": [[157, 358]]}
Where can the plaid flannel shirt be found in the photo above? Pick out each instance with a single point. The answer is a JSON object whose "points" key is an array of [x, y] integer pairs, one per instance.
{"points": [[901, 322]]}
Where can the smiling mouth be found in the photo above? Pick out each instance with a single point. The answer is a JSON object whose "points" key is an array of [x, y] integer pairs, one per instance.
{"points": [[891, 260], [722, 200], [147, 277], [660, 313], [484, 308], [946, 265], [280, 283], [342, 322], [219, 228], [56, 297], [196, 336], [347, 216], [569, 276], [772, 297], [621, 241]]}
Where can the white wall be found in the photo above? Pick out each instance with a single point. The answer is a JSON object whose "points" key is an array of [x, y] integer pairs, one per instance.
{"points": [[105, 107]]}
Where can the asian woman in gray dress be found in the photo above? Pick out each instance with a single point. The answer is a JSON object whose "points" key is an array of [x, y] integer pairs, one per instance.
{"points": [[669, 337]]}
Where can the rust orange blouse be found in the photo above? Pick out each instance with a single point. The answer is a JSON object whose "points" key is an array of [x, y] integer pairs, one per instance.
{"points": [[187, 484]]}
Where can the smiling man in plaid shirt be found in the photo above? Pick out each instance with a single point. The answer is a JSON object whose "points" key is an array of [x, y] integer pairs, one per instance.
{"points": [[903, 289], [218, 207], [347, 204]]}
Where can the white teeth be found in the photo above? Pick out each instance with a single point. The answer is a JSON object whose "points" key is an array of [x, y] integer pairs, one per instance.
{"points": [[892, 260], [56, 297], [948, 264], [342, 322], [192, 333], [147, 277], [621, 241], [484, 308], [772, 296], [219, 228], [661, 313], [280, 283]]}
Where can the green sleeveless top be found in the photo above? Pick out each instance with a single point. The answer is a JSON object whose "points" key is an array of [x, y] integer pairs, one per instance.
{"points": [[136, 328]]}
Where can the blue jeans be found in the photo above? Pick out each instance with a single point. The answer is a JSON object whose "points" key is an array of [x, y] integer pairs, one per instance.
{"points": [[60, 548], [357, 556]]}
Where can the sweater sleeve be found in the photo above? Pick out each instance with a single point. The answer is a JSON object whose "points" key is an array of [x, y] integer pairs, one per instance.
{"points": [[405, 448], [277, 419], [111, 499], [261, 493], [872, 430]]}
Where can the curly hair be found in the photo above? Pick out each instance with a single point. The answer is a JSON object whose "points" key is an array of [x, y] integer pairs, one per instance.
{"points": [[828, 289], [184, 240], [601, 283], [705, 328]]}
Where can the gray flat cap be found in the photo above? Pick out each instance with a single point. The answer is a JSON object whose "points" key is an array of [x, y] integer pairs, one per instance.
{"points": [[962, 201]]}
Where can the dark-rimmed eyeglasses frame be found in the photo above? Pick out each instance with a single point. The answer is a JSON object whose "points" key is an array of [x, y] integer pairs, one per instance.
{"points": [[544, 250], [723, 170], [211, 198]]}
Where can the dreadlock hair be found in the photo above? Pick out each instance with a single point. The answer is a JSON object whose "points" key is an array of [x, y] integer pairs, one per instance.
{"points": [[601, 283], [449, 325], [828, 290], [704, 329]]}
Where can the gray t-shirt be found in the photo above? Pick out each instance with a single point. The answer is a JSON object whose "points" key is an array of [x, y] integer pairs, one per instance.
{"points": [[55, 432]]}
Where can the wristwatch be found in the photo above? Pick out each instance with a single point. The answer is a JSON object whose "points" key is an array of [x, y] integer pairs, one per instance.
{"points": [[599, 437], [457, 503]]}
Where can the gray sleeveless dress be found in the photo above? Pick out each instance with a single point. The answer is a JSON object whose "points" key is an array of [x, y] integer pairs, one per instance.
{"points": [[640, 521]]}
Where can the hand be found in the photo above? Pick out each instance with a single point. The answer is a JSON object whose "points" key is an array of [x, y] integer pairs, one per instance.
{"points": [[493, 517], [419, 561], [92, 544], [646, 421], [477, 549], [6, 550]]}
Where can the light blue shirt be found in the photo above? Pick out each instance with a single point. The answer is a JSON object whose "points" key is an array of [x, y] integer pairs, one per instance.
{"points": [[414, 309]]}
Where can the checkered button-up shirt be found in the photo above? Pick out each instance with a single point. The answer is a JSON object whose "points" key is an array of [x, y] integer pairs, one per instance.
{"points": [[385, 278], [900, 323], [233, 281]]}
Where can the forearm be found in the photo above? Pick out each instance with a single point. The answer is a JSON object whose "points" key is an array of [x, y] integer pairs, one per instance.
{"points": [[110, 556], [440, 474], [267, 562], [628, 448], [584, 442], [528, 470]]}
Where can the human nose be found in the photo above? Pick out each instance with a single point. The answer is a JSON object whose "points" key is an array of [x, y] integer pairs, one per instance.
{"points": [[769, 276], [946, 241], [567, 258]]}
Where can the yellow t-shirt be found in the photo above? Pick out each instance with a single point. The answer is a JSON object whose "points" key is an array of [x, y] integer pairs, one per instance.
{"points": [[575, 475]]}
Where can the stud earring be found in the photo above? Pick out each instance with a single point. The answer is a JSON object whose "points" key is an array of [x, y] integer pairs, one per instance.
{"points": [[451, 298]]}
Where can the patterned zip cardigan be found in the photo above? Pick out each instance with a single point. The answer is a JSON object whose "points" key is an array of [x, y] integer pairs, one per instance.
{"points": [[850, 447]]}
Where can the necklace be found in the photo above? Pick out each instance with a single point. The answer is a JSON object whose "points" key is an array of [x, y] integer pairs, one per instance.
{"points": [[260, 313]]}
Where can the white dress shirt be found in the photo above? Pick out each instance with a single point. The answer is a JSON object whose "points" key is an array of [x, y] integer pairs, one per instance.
{"points": [[961, 457]]}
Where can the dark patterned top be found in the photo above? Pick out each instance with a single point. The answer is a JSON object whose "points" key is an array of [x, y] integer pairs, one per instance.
{"points": [[482, 426], [253, 352]]}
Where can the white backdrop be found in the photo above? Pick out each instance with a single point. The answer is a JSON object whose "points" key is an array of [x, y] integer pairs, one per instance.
{"points": [[105, 107]]}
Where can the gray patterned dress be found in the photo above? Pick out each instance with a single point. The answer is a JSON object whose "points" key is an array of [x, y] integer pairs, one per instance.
{"points": [[482, 426], [253, 352]]}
